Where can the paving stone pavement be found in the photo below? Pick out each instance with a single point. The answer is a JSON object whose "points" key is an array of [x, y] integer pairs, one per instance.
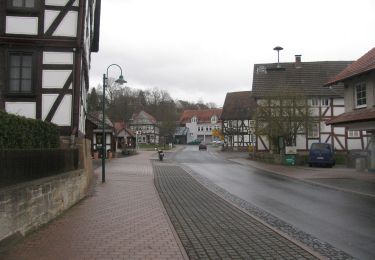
{"points": [[122, 219], [211, 228]]}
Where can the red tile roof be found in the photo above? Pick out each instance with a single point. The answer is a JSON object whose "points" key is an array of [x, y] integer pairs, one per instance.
{"points": [[364, 64], [203, 115], [367, 114]]}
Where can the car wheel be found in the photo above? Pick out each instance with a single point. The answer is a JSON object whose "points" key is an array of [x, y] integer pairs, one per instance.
{"points": [[310, 165]]}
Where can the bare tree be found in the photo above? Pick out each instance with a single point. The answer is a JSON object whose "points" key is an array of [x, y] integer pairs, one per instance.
{"points": [[283, 114]]}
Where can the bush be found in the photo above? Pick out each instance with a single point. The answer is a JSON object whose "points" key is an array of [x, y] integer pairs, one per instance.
{"points": [[18, 132]]}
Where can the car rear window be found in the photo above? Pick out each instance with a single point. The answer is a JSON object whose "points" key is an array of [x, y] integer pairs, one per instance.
{"points": [[320, 147]]}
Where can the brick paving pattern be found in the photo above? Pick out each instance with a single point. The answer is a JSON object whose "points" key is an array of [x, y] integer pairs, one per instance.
{"points": [[122, 219], [211, 228]]}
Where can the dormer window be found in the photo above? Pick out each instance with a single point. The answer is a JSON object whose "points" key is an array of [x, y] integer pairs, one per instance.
{"points": [[213, 119], [194, 119]]}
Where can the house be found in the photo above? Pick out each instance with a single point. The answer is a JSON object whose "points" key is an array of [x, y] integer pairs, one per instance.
{"points": [[145, 127], [308, 79], [359, 81], [237, 120], [94, 132], [45, 49], [125, 138], [201, 123], [180, 135]]}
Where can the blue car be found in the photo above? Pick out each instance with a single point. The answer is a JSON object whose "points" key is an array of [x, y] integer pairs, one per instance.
{"points": [[321, 154]]}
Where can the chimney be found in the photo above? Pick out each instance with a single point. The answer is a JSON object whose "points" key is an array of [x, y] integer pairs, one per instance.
{"points": [[298, 62]]}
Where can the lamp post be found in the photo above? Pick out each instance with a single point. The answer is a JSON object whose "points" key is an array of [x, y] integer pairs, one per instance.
{"points": [[120, 81]]}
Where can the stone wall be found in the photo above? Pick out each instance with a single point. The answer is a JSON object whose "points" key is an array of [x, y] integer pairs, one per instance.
{"points": [[27, 206]]}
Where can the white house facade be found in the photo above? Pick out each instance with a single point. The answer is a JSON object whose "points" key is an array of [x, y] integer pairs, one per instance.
{"points": [[201, 123], [45, 51]]}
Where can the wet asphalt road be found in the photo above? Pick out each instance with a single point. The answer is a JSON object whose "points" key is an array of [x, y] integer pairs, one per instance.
{"points": [[345, 220]]}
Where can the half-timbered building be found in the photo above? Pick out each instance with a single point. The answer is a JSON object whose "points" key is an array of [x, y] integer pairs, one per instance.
{"points": [[94, 132], [359, 81], [146, 128], [45, 48], [238, 120], [308, 78]]}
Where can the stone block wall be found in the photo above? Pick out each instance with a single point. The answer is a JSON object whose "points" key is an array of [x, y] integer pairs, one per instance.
{"points": [[27, 206]]}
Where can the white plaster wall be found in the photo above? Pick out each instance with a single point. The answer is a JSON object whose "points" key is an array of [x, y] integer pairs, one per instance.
{"points": [[338, 101], [21, 25], [301, 142], [60, 2], [26, 109], [338, 110], [342, 141], [49, 17], [354, 144], [63, 113], [57, 57], [339, 130], [55, 78], [68, 26], [260, 144], [47, 102]]}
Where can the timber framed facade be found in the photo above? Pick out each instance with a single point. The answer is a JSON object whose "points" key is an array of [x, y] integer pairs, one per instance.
{"points": [[308, 79], [146, 128], [45, 48], [237, 120]]}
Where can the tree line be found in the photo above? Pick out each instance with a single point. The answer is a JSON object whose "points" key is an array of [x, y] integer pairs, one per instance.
{"points": [[122, 101]]}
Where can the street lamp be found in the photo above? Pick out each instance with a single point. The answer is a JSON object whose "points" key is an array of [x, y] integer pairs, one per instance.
{"points": [[120, 81]]}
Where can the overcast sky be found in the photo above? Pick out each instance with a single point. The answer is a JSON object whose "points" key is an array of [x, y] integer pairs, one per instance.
{"points": [[202, 49]]}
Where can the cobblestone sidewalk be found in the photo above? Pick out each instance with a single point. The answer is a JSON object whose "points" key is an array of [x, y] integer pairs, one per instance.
{"points": [[211, 228]]}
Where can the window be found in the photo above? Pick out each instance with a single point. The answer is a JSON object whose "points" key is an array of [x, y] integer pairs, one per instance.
{"points": [[314, 102], [360, 95], [20, 73], [313, 131], [325, 102], [22, 3], [194, 119], [213, 119], [353, 133]]}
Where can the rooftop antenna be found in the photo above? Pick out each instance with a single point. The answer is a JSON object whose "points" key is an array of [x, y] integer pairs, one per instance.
{"points": [[278, 49]]}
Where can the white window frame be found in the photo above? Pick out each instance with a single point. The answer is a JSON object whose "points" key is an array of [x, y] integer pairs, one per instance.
{"points": [[356, 98], [314, 102], [194, 119], [353, 133], [324, 102]]}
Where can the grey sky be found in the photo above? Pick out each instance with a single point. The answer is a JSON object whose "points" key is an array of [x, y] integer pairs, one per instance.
{"points": [[202, 49]]}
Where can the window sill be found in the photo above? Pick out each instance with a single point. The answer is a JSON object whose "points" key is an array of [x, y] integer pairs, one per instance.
{"points": [[360, 107]]}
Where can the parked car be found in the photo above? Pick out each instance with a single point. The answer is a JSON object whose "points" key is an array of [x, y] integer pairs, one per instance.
{"points": [[321, 154], [196, 141], [202, 147]]}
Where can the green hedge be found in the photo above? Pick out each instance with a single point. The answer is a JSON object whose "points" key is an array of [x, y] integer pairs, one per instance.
{"points": [[18, 132]]}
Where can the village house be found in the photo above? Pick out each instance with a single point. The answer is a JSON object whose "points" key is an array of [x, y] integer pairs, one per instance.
{"points": [[308, 78], [125, 138], [94, 132], [201, 123], [238, 120], [145, 128], [359, 90], [45, 51]]}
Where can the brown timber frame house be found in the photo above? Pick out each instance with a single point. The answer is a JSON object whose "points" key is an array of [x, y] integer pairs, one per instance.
{"points": [[45, 48], [237, 120], [308, 79]]}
